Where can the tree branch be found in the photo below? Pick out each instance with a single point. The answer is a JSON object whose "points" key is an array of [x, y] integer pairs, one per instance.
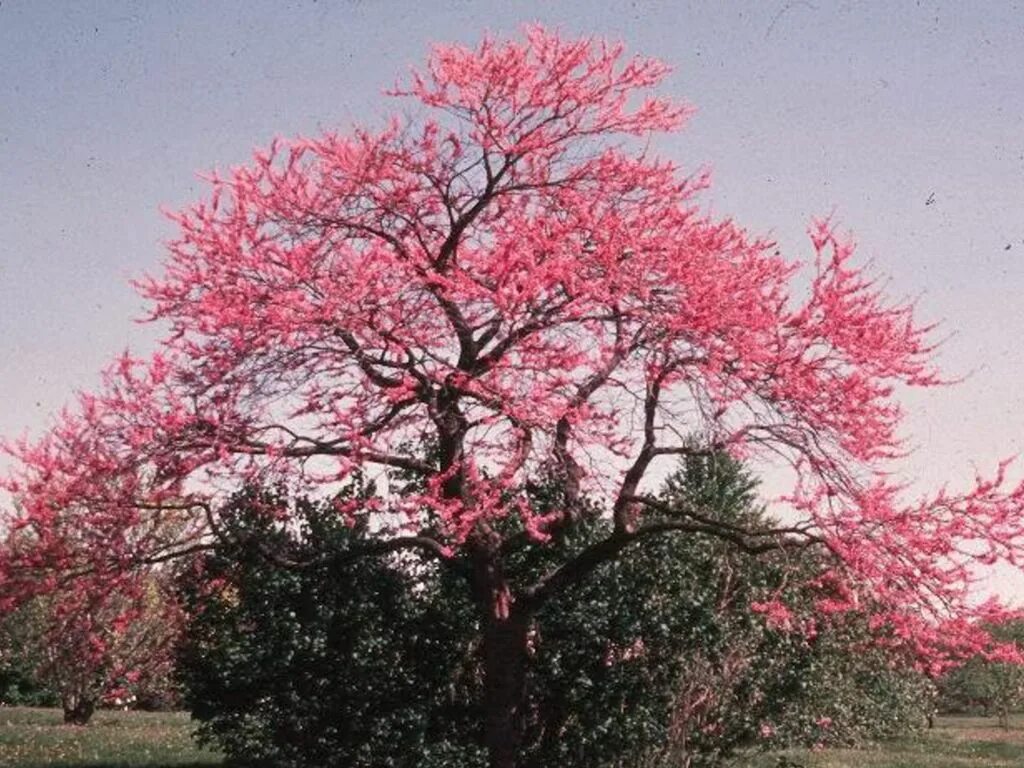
{"points": [[608, 549]]}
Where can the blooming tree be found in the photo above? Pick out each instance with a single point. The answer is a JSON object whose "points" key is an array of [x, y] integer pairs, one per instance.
{"points": [[510, 277], [86, 644]]}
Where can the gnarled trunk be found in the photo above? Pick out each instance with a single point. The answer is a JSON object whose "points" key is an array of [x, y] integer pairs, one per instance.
{"points": [[505, 656]]}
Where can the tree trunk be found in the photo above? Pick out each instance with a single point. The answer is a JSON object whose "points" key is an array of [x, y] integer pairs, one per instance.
{"points": [[78, 710], [505, 656]]}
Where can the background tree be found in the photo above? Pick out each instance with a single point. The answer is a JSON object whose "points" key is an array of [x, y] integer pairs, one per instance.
{"points": [[79, 650], [514, 277], [991, 682], [90, 627]]}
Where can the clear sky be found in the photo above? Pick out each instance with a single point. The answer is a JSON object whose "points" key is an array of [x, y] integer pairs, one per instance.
{"points": [[905, 118]]}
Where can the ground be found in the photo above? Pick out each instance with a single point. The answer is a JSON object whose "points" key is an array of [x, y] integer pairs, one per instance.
{"points": [[36, 738], [955, 742]]}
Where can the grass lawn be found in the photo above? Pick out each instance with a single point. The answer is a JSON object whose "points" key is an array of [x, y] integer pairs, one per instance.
{"points": [[955, 742], [36, 738]]}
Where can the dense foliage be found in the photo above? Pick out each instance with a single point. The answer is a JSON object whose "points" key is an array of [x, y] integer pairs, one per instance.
{"points": [[20, 660], [299, 653], [342, 661]]}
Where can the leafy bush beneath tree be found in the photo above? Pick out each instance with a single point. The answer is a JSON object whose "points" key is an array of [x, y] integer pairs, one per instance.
{"points": [[299, 652], [345, 661]]}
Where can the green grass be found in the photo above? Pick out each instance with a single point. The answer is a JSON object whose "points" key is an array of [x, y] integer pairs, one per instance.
{"points": [[37, 738], [955, 742]]}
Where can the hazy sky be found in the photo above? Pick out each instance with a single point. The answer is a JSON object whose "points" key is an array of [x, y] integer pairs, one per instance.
{"points": [[905, 118]]}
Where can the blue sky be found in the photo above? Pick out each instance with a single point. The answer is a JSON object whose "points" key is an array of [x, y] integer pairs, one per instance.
{"points": [[906, 119]]}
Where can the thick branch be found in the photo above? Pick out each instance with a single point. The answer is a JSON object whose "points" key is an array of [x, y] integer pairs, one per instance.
{"points": [[751, 542], [631, 481], [320, 448]]}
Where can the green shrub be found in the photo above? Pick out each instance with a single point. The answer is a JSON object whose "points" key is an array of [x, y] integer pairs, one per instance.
{"points": [[655, 660], [345, 661]]}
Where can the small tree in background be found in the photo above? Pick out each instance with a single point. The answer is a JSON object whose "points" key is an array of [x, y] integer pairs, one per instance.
{"points": [[80, 650], [991, 682]]}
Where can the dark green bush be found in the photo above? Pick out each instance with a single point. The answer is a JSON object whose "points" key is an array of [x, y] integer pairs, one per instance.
{"points": [[344, 661], [300, 653]]}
